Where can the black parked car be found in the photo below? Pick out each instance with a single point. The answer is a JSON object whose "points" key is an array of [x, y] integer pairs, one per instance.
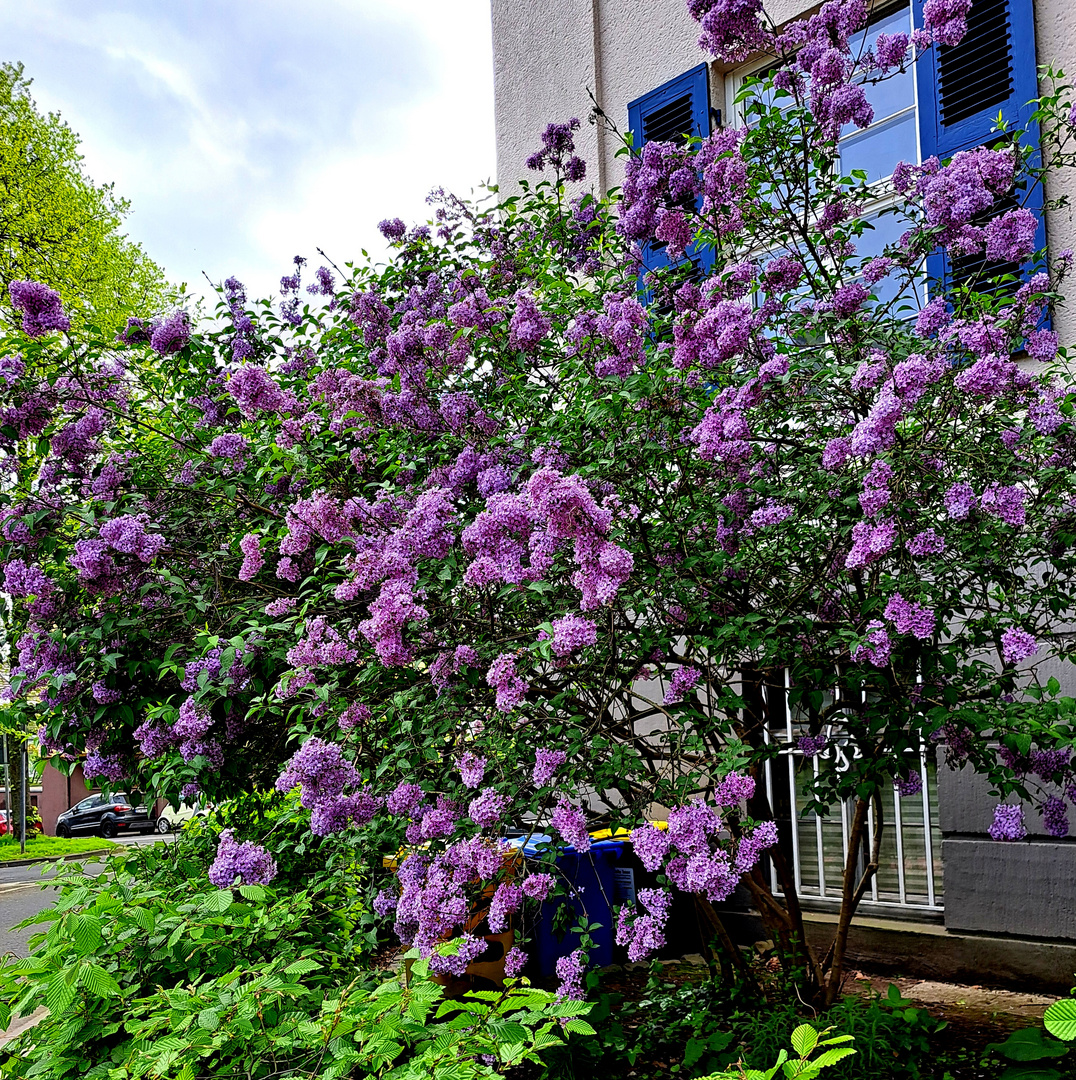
{"points": [[107, 815]]}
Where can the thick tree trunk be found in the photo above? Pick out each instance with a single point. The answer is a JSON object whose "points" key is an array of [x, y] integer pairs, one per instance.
{"points": [[854, 886]]}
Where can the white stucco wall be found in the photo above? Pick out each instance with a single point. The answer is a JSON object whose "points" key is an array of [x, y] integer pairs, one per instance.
{"points": [[548, 53]]}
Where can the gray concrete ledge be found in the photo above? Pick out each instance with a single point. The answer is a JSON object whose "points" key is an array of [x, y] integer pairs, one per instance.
{"points": [[929, 951], [1027, 887]]}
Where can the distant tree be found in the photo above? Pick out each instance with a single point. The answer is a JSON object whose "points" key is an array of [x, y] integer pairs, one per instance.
{"points": [[60, 228]]}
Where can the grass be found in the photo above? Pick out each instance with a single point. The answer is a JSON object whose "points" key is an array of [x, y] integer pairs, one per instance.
{"points": [[47, 847]]}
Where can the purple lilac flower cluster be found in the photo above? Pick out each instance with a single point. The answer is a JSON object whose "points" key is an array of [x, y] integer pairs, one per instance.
{"points": [[1017, 645], [571, 823], [812, 745], [1008, 823], [41, 308], [695, 857], [324, 776], [1055, 817], [248, 862], [546, 764], [643, 934], [683, 681], [558, 151]]}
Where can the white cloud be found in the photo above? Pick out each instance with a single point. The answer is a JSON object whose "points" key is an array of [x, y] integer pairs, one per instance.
{"points": [[247, 132]]}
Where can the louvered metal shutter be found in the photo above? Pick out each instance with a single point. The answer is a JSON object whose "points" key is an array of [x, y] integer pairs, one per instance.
{"points": [[962, 89], [670, 113]]}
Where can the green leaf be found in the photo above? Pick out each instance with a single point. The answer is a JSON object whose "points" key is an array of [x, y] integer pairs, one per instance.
{"points": [[218, 901], [60, 992], [579, 1027], [804, 1040], [98, 981], [209, 1019], [1028, 1044], [87, 934], [1030, 1072], [301, 967], [1060, 1019], [143, 917], [830, 1057]]}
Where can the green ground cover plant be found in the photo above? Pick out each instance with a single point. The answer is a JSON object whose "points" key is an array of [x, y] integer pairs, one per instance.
{"points": [[49, 847]]}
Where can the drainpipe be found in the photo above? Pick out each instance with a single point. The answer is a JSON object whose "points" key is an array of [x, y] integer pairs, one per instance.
{"points": [[596, 49]]}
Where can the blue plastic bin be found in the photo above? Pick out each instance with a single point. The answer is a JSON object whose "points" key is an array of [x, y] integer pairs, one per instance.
{"points": [[594, 888]]}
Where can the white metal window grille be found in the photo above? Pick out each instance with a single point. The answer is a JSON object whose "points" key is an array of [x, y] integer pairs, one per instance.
{"points": [[909, 874]]}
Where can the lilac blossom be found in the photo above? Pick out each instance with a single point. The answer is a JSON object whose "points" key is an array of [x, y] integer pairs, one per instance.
{"points": [[572, 633], [570, 822], [651, 845], [960, 500], [1008, 823], [570, 971], [925, 544], [171, 334], [733, 789], [1010, 237], [546, 764], [644, 934], [876, 646], [472, 768], [247, 861], [515, 960], [404, 799], [487, 809], [507, 900], [1055, 817], [909, 617], [41, 307], [502, 677], [812, 745], [682, 682], [910, 785], [1017, 645], [253, 559], [538, 886], [320, 769]]}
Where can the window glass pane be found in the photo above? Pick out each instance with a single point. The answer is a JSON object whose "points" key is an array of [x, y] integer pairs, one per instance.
{"points": [[897, 91], [878, 149], [896, 285], [888, 229]]}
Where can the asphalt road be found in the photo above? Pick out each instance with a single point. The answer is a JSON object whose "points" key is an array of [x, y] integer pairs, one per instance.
{"points": [[24, 892]]}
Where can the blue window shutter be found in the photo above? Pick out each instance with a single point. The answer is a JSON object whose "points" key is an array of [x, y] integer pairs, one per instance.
{"points": [[961, 91], [677, 108]]}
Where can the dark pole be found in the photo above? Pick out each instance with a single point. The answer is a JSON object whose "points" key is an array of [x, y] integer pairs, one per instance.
{"points": [[9, 809], [22, 800]]}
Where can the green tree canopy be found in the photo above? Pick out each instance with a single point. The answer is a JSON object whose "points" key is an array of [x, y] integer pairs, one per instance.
{"points": [[60, 228]]}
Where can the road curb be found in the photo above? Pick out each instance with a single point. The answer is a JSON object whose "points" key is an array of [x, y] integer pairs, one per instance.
{"points": [[58, 858]]}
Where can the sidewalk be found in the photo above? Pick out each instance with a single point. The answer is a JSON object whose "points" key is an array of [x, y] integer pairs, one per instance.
{"points": [[22, 1024]]}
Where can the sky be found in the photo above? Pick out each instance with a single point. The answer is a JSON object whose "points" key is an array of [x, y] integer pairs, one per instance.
{"points": [[245, 132]]}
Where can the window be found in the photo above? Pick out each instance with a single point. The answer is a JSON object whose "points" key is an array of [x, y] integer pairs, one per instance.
{"points": [[676, 109], [892, 137], [949, 103], [909, 875]]}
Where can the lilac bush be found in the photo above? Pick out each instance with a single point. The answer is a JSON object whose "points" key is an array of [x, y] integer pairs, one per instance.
{"points": [[509, 529]]}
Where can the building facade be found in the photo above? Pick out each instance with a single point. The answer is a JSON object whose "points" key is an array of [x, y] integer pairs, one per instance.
{"points": [[948, 900]]}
